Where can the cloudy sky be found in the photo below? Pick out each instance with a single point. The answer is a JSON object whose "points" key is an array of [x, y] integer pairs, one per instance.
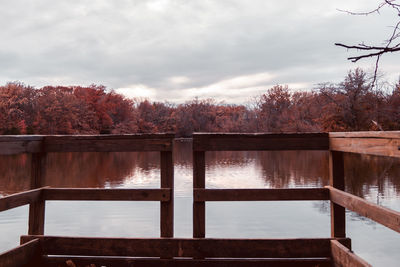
{"points": [[175, 50]]}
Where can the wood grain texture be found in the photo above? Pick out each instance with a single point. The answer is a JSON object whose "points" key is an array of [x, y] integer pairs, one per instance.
{"points": [[167, 181], [37, 207], [379, 214], [373, 143], [19, 199], [180, 247], [109, 143], [258, 141], [261, 194], [366, 134], [342, 256], [27, 254], [16, 144], [107, 194], [150, 262]]}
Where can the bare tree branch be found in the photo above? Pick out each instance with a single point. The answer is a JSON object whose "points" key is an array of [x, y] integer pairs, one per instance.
{"points": [[376, 51]]}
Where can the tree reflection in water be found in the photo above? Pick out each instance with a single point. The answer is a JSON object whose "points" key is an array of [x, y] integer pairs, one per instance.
{"points": [[365, 175]]}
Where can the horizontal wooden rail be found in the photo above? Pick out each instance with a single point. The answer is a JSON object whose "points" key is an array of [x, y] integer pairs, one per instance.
{"points": [[85, 143], [181, 247], [24, 255], [382, 215], [107, 143], [342, 256], [261, 194], [10, 145], [107, 194], [247, 142], [373, 143], [19, 199], [151, 262]]}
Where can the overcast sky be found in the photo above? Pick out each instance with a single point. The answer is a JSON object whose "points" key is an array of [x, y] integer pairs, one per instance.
{"points": [[175, 50]]}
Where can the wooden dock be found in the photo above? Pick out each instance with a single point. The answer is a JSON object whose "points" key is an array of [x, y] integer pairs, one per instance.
{"points": [[37, 249]]}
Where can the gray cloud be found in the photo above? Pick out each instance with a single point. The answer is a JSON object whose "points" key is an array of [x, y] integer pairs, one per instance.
{"points": [[158, 44]]}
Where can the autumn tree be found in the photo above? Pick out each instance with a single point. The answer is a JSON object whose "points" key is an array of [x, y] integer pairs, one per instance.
{"points": [[349, 105], [17, 105]]}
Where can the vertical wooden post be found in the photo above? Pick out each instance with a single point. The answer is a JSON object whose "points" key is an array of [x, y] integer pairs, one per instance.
{"points": [[199, 207], [167, 208], [37, 208], [336, 179]]}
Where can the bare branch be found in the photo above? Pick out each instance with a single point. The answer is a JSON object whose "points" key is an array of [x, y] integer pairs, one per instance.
{"points": [[376, 51]]}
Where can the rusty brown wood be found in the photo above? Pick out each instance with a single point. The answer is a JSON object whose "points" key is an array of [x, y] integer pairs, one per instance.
{"points": [[37, 207], [27, 254], [382, 215], [150, 262], [374, 143], [107, 194], [108, 143], [167, 208], [261, 194], [10, 145], [336, 179], [19, 199], [342, 256], [199, 182], [181, 247], [234, 142]]}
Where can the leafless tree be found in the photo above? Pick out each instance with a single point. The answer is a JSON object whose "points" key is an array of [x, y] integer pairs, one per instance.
{"points": [[390, 45]]}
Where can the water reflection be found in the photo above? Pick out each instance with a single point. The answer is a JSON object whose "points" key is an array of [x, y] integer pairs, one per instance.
{"points": [[374, 178], [366, 176]]}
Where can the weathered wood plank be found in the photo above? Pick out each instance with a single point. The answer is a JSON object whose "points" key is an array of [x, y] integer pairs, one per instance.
{"points": [[366, 134], [149, 262], [372, 145], [261, 194], [109, 143], [382, 215], [37, 207], [342, 256], [235, 142], [19, 199], [199, 182], [167, 181], [16, 144], [336, 179], [180, 247], [27, 254], [107, 194]]}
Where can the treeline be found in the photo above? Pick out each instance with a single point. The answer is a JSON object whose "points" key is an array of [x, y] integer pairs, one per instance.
{"points": [[352, 105]]}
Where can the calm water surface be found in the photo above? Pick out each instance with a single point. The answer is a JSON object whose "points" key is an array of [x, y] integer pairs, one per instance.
{"points": [[374, 178]]}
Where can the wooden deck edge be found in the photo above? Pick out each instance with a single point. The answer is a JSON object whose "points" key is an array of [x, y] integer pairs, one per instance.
{"points": [[342, 256], [186, 247], [27, 254], [122, 262]]}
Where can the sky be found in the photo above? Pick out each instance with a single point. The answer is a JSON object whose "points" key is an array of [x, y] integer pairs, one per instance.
{"points": [[175, 50]]}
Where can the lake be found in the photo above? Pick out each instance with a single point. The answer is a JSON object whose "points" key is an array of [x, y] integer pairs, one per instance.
{"points": [[374, 178]]}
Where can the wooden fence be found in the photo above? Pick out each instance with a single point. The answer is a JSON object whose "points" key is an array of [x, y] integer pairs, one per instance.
{"points": [[170, 251], [39, 146]]}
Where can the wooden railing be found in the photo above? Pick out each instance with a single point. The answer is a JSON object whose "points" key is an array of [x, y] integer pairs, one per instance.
{"points": [[204, 251], [39, 146], [374, 143]]}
